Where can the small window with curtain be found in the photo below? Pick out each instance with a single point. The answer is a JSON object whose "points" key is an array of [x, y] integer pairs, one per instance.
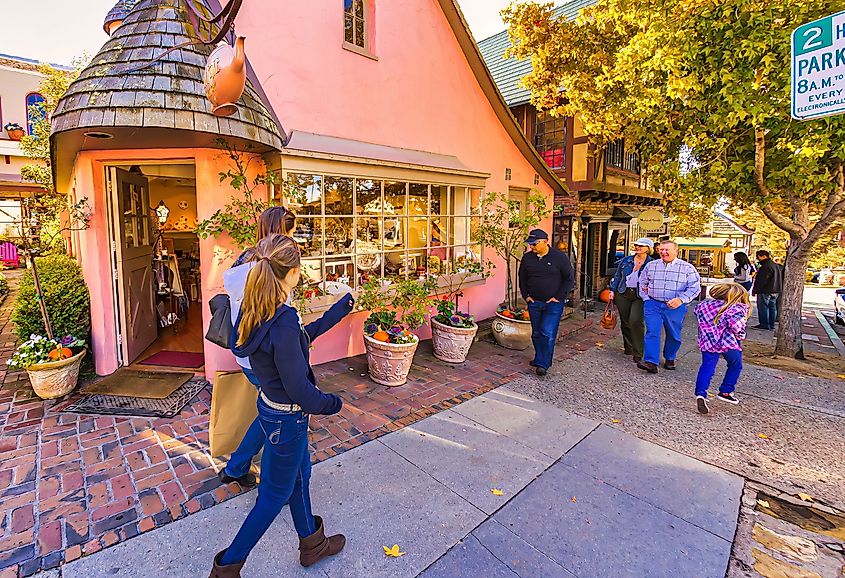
{"points": [[35, 110], [354, 23], [550, 138]]}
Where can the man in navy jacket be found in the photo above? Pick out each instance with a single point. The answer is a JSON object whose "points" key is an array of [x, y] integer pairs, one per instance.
{"points": [[545, 280]]}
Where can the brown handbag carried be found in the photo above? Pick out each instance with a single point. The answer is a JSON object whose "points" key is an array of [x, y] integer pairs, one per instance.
{"points": [[233, 409], [608, 318]]}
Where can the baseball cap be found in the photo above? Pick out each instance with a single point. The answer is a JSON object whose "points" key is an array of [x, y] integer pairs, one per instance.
{"points": [[536, 235], [645, 242]]}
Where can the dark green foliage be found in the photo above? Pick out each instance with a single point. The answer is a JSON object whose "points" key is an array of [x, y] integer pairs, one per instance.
{"points": [[65, 294]]}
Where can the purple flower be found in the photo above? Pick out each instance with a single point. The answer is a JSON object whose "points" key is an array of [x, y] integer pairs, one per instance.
{"points": [[465, 315], [68, 339], [396, 330], [455, 320], [371, 328]]}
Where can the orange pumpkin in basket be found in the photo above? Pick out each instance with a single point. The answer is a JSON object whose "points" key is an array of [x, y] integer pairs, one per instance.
{"points": [[380, 335], [526, 316], [60, 353]]}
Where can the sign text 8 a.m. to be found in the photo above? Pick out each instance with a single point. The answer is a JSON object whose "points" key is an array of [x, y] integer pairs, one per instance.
{"points": [[818, 68]]}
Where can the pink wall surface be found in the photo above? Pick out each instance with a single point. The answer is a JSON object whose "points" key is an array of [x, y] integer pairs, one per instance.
{"points": [[420, 94]]}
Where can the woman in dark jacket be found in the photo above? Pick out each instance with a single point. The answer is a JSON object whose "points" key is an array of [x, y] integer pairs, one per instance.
{"points": [[624, 291], [271, 335]]}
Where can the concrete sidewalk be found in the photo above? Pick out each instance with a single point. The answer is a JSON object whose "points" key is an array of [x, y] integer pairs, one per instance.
{"points": [[579, 498]]}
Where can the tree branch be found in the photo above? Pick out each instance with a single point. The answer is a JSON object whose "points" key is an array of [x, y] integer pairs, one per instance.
{"points": [[834, 209], [781, 222], [760, 162]]}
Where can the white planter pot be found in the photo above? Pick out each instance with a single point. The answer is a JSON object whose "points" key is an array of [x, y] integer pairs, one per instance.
{"points": [[389, 363], [451, 344], [56, 378], [512, 333]]}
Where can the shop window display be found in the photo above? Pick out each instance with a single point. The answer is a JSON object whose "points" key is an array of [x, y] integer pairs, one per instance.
{"points": [[351, 230]]}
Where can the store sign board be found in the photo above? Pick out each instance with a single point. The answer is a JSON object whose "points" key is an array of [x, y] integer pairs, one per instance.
{"points": [[650, 220], [818, 68]]}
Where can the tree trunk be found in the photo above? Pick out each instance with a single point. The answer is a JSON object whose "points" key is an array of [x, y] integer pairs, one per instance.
{"points": [[789, 342]]}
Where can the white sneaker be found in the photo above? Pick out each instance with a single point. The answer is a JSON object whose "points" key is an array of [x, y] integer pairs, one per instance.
{"points": [[702, 404]]}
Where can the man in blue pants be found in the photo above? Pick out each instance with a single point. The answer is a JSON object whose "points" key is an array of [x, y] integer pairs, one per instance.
{"points": [[545, 280], [667, 285]]}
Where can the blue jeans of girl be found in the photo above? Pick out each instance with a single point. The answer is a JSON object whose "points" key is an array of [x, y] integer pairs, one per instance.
{"points": [[709, 361], [285, 479]]}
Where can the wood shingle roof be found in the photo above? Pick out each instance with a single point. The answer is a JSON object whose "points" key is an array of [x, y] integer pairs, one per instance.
{"points": [[168, 94]]}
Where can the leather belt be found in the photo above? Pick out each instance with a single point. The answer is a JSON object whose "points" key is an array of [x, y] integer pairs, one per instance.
{"points": [[285, 407]]}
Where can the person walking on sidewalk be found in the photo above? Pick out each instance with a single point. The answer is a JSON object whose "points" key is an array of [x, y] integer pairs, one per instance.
{"points": [[767, 287], [270, 333], [545, 281], [722, 321], [625, 294], [744, 270], [274, 220], [667, 285]]}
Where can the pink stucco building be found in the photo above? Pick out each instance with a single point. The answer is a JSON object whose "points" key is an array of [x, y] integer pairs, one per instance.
{"points": [[380, 118]]}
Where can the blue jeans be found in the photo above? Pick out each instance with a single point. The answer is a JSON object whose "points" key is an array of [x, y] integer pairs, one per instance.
{"points": [[285, 479], [545, 321], [747, 285], [767, 309], [241, 459], [708, 368], [659, 316]]}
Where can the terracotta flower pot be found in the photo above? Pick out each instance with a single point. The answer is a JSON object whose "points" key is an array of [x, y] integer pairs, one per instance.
{"points": [[56, 378], [451, 344], [389, 363], [15, 133], [512, 333]]}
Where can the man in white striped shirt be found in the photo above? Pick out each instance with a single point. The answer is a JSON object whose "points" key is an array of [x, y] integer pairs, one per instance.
{"points": [[667, 285]]}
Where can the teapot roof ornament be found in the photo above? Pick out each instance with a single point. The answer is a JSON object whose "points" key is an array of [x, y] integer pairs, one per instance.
{"points": [[225, 77]]}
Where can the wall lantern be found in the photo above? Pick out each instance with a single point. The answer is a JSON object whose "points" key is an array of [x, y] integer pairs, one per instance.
{"points": [[163, 212]]}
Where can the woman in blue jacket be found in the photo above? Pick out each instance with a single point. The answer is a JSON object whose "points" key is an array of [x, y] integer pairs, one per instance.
{"points": [[271, 335], [624, 291]]}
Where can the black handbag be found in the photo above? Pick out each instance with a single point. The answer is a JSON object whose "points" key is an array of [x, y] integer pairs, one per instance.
{"points": [[220, 329]]}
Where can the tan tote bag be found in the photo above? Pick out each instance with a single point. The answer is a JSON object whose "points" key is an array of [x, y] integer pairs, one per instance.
{"points": [[233, 409]]}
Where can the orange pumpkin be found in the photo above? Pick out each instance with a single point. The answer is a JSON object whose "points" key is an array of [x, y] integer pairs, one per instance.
{"points": [[507, 313], [604, 295], [526, 316], [380, 335], [60, 353]]}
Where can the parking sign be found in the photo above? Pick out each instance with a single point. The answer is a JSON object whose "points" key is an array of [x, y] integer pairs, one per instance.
{"points": [[818, 68]]}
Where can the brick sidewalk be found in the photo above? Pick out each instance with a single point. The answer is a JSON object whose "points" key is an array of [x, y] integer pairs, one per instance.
{"points": [[71, 485]]}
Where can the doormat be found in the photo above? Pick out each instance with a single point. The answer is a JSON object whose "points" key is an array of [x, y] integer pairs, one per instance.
{"points": [[131, 383], [176, 359], [169, 406]]}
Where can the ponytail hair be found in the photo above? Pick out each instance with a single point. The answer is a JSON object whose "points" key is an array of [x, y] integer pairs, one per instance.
{"points": [[266, 286], [731, 294]]}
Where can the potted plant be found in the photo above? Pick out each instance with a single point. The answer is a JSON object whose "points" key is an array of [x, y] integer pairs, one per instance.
{"points": [[505, 226], [14, 130], [396, 309], [52, 364], [453, 330]]}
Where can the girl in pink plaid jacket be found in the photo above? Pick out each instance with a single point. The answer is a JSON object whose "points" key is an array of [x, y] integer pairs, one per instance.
{"points": [[722, 320]]}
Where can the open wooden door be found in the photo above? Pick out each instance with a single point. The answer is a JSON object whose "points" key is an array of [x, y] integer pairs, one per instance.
{"points": [[133, 245]]}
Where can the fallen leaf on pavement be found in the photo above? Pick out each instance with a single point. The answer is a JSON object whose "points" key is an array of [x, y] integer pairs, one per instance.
{"points": [[599, 343], [496, 492], [393, 552], [805, 497], [763, 503], [778, 377], [614, 420], [763, 436], [573, 499], [841, 376]]}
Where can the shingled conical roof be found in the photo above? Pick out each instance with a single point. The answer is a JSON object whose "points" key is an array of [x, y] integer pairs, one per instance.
{"points": [[163, 105], [118, 13]]}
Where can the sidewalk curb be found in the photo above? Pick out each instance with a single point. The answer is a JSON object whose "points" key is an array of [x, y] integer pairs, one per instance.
{"points": [[834, 337]]}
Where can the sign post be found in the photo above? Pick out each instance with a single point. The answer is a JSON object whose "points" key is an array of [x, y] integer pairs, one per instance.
{"points": [[818, 68]]}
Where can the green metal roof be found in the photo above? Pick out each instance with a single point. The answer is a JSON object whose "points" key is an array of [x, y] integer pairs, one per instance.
{"points": [[508, 72]]}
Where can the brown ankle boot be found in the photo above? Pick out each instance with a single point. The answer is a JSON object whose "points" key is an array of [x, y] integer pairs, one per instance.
{"points": [[316, 546], [227, 571]]}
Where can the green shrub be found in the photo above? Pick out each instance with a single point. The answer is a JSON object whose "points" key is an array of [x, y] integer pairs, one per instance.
{"points": [[4, 286], [65, 294]]}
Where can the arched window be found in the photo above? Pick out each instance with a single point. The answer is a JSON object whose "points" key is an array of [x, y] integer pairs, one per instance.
{"points": [[35, 110]]}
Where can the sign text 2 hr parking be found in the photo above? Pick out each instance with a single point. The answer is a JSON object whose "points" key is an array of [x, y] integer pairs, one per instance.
{"points": [[818, 68]]}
